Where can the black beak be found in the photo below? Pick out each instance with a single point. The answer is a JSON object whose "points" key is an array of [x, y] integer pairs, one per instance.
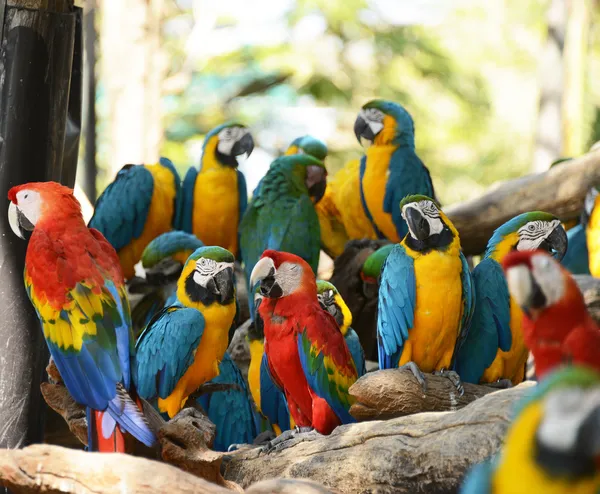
{"points": [[556, 243], [223, 286], [362, 129], [417, 223], [244, 145], [166, 271], [270, 288], [316, 182]]}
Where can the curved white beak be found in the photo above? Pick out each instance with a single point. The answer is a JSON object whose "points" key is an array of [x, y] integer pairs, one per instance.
{"points": [[13, 220], [262, 269], [519, 283]]}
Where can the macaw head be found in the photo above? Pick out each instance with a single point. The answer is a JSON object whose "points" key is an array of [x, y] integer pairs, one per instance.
{"points": [[428, 227], [371, 270], [539, 284], [383, 122], [281, 274], [34, 203], [331, 301], [529, 231], [562, 417], [256, 330], [207, 278], [164, 257], [229, 141], [306, 171], [308, 145], [588, 205]]}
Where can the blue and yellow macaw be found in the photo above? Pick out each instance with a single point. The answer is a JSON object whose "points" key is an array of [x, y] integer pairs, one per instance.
{"points": [[141, 203], [183, 345], [268, 398], [426, 297], [230, 410], [282, 215], [494, 349], [551, 446], [332, 302], [592, 230], [577, 259], [163, 260], [215, 196], [391, 169]]}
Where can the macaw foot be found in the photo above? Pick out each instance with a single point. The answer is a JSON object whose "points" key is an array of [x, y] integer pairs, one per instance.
{"points": [[414, 368], [454, 379], [501, 384], [261, 440], [290, 438]]}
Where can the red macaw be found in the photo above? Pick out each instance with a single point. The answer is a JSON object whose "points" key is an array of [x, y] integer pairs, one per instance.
{"points": [[75, 282], [305, 351], [556, 324]]}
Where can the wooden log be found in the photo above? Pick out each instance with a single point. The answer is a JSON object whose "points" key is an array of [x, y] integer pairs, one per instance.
{"points": [[394, 393], [560, 191]]}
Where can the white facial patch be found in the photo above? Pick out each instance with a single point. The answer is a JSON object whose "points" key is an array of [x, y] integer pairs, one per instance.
{"points": [[228, 137], [29, 203], [564, 412], [532, 234], [207, 269], [546, 272], [430, 212], [288, 277], [374, 119]]}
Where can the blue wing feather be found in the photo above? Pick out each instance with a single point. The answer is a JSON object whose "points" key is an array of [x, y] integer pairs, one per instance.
{"points": [[576, 258], [272, 400], [356, 350], [120, 214], [490, 325], [187, 199], [396, 306], [479, 479]]}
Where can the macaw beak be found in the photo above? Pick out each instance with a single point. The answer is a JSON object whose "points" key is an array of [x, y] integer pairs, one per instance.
{"points": [[525, 290], [417, 223], [264, 273], [244, 145], [363, 132], [316, 182], [223, 286], [164, 272], [18, 222], [556, 243]]}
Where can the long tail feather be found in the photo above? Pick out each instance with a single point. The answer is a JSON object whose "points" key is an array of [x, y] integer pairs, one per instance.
{"points": [[103, 434], [128, 415]]}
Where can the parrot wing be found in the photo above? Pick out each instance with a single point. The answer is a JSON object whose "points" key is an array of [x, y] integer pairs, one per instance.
{"points": [[242, 193], [187, 200], [230, 410], [166, 349], [479, 479], [490, 325], [396, 306], [356, 349], [327, 363], [407, 175], [122, 209], [468, 301], [272, 400], [576, 258]]}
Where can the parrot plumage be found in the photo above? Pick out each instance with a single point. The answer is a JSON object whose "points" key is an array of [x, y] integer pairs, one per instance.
{"points": [[494, 348], [215, 196], [163, 260], [592, 230], [551, 446], [183, 345], [230, 410], [577, 259], [74, 280], [391, 169], [305, 350], [426, 296], [331, 301], [281, 216], [142, 202], [557, 326]]}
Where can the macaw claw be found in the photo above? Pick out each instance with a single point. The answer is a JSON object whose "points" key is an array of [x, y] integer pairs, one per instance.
{"points": [[454, 379], [501, 384], [290, 438], [420, 377]]}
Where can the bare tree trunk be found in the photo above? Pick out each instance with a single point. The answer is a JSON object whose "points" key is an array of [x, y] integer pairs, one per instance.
{"points": [[132, 70], [548, 139]]}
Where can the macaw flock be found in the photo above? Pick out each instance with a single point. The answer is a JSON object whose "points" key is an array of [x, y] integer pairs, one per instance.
{"points": [[434, 315]]}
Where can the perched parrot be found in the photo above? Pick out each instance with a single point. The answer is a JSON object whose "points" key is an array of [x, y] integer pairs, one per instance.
{"points": [[426, 296], [494, 349], [347, 275], [163, 260], [392, 170], [230, 410], [282, 215], [183, 345], [331, 301], [305, 351], [556, 324], [74, 281], [576, 258], [141, 203], [552, 445], [592, 231], [268, 398], [215, 196]]}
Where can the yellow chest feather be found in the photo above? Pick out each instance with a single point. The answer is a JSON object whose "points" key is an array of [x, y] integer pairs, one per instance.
{"points": [[593, 241], [257, 349]]}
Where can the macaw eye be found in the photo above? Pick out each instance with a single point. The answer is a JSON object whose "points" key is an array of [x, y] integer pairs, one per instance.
{"points": [[531, 228]]}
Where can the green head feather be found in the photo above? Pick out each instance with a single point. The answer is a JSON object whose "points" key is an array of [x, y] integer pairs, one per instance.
{"points": [[374, 263], [323, 286], [417, 198], [312, 146], [217, 254]]}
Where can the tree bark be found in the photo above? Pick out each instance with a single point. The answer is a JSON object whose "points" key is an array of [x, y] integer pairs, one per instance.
{"points": [[560, 191]]}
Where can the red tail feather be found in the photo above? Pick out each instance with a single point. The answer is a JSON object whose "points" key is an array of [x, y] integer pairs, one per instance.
{"points": [[113, 444]]}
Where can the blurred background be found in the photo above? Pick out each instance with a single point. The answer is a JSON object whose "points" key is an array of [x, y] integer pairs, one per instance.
{"points": [[497, 88]]}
